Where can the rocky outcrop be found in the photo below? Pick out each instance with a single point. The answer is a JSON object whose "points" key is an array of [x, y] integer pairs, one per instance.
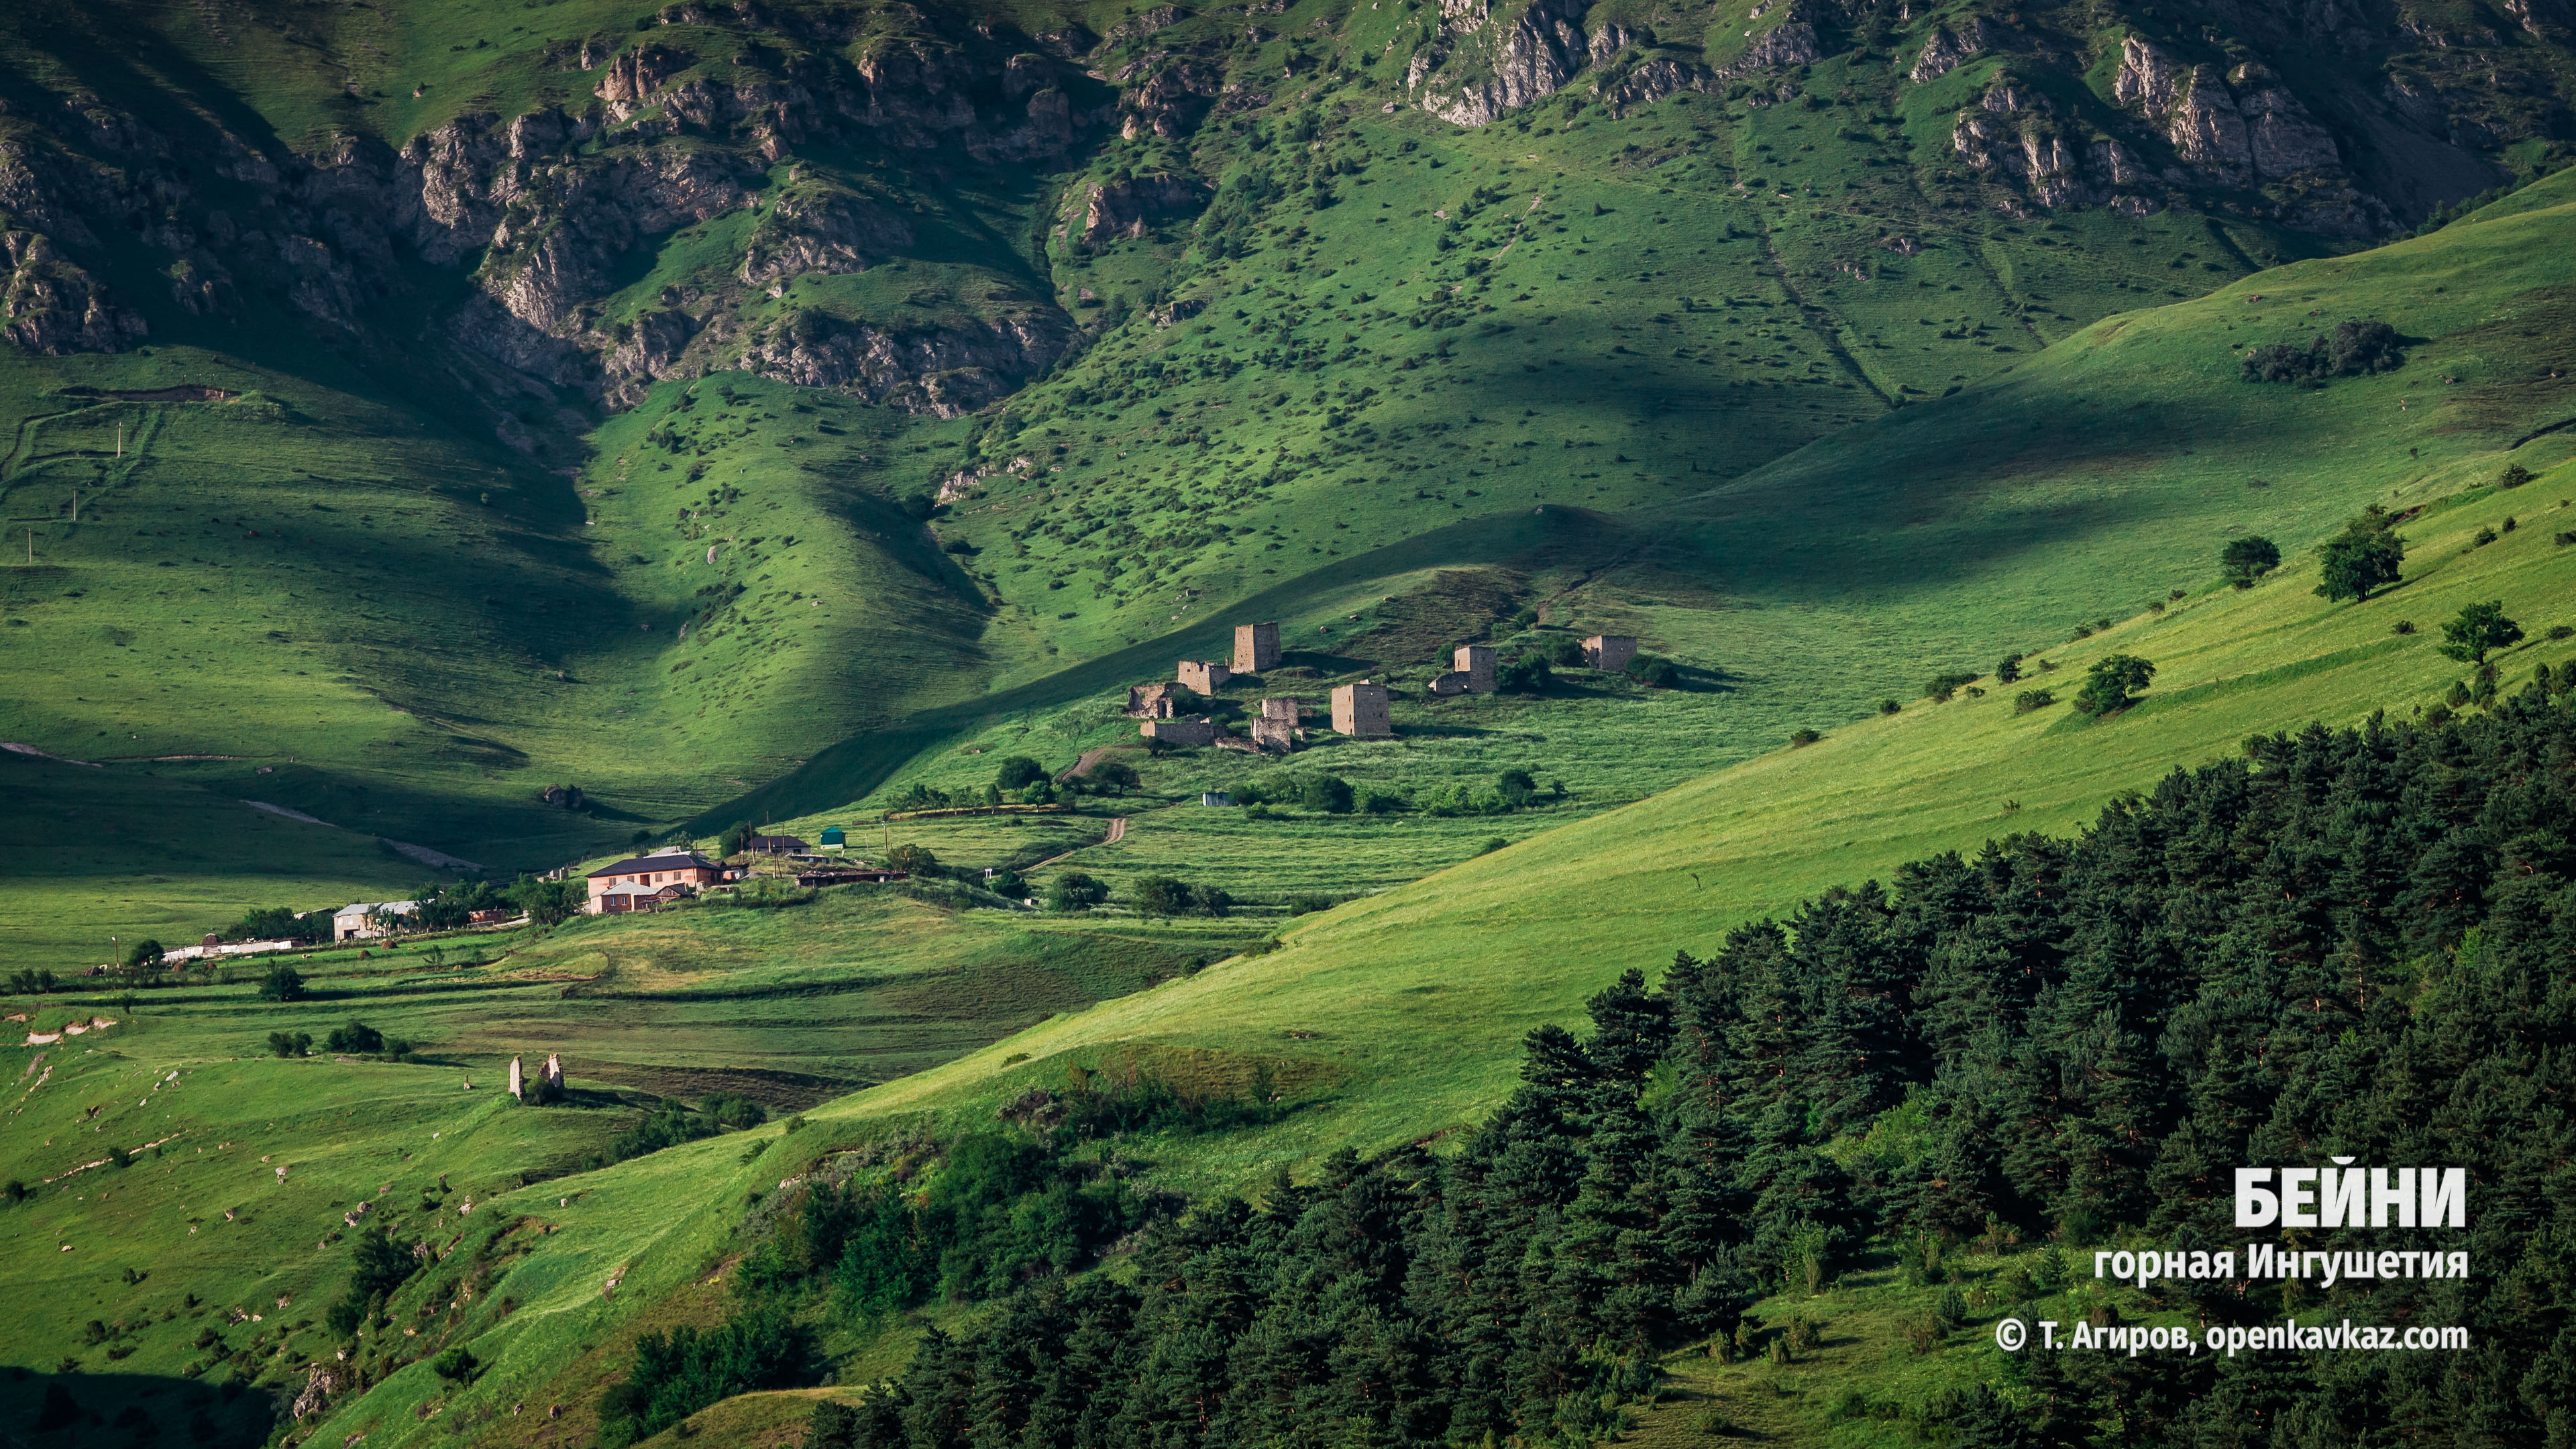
{"points": [[820, 231], [953, 370], [325, 1381], [1522, 59], [647, 349], [49, 305], [1167, 96], [2241, 130], [1123, 209], [1947, 49]]}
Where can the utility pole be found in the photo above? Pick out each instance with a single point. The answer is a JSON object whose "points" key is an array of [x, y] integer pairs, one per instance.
{"points": [[120, 440], [75, 505]]}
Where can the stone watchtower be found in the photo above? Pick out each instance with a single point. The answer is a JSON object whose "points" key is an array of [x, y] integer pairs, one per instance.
{"points": [[1207, 676], [1609, 653], [1476, 661], [1256, 648], [518, 1084], [1359, 710]]}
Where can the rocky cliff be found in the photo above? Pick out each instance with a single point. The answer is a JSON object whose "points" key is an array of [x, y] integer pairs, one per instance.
{"points": [[689, 124]]}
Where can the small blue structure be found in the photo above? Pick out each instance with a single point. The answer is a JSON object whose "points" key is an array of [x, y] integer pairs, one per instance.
{"points": [[832, 838], [1215, 797]]}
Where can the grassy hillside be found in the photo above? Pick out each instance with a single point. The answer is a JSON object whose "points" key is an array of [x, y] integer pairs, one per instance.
{"points": [[1456, 958], [1348, 348]]}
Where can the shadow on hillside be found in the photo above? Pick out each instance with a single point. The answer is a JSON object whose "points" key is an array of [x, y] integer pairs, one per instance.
{"points": [[111, 1408], [1323, 664]]}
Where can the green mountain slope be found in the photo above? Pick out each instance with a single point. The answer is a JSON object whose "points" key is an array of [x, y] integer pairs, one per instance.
{"points": [[1390, 1019], [1177, 313], [1475, 956]]}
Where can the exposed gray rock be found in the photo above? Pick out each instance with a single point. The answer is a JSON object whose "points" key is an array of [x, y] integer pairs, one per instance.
{"points": [[1523, 58], [49, 305], [820, 231], [946, 372], [1947, 49], [1123, 209]]}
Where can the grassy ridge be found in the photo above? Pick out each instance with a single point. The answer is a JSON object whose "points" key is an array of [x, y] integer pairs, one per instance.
{"points": [[1475, 956]]}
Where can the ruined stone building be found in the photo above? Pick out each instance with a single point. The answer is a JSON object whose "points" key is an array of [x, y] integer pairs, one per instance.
{"points": [[1276, 729], [1201, 731], [1256, 648], [518, 1087], [1609, 652], [1152, 701], [1359, 710], [1207, 676], [1471, 672]]}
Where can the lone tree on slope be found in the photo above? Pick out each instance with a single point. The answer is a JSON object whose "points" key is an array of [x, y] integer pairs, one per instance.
{"points": [[2249, 558], [2363, 557], [2479, 629], [2112, 682]]}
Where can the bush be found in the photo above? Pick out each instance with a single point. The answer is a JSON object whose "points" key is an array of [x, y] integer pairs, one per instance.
{"points": [[913, 859], [2403, 626], [1942, 686], [1307, 905], [2031, 699], [2111, 683], [1018, 773], [2249, 558], [1381, 802], [291, 1043], [1328, 794], [357, 1036], [279, 923], [2352, 349], [455, 1365], [1162, 895], [1516, 788], [547, 902], [728, 1110], [1889, 706], [1075, 891], [1492, 844], [2513, 476], [1528, 674], [1655, 672], [26, 982], [2008, 670], [1212, 900], [1800, 739]]}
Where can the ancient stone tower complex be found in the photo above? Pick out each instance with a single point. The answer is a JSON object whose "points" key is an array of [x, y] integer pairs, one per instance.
{"points": [[1359, 710], [1609, 653], [1256, 647], [1277, 727]]}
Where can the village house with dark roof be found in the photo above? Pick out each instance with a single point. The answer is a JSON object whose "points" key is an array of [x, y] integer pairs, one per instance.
{"points": [[640, 883]]}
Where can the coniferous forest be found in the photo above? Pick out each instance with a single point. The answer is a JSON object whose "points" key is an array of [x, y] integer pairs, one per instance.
{"points": [[2351, 943]]}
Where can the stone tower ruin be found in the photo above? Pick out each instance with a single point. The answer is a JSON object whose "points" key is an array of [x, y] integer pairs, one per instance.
{"points": [[1609, 653], [1359, 710], [1256, 647]]}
